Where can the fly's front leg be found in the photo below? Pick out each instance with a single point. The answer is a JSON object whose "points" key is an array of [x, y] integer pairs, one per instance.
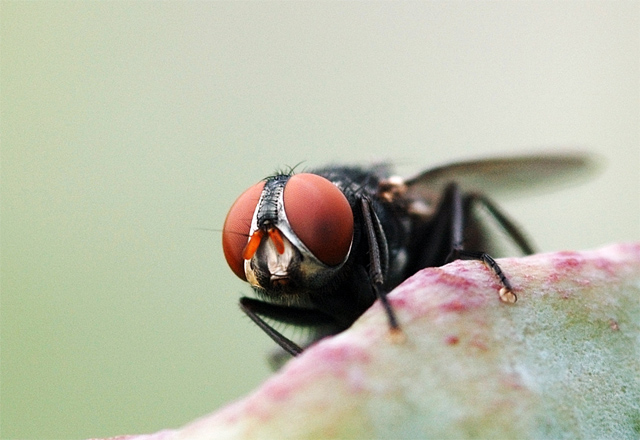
{"points": [[378, 257], [249, 307], [296, 316], [461, 207]]}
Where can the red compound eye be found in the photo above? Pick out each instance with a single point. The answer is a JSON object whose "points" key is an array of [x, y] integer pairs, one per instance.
{"points": [[320, 216], [235, 231]]}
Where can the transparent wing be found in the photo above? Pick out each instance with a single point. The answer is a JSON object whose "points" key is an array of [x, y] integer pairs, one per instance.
{"points": [[505, 175]]}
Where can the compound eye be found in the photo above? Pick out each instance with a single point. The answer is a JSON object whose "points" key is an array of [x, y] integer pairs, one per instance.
{"points": [[237, 225], [320, 216]]}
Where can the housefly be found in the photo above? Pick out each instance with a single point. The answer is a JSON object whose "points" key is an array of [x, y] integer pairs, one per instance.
{"points": [[320, 247]]}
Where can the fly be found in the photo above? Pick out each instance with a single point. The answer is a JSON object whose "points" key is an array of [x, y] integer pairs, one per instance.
{"points": [[320, 247]]}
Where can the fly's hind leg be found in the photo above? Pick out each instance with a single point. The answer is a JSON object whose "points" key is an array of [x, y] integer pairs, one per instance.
{"points": [[461, 208], [506, 291]]}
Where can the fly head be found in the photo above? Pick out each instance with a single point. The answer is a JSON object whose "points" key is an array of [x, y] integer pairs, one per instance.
{"points": [[289, 235]]}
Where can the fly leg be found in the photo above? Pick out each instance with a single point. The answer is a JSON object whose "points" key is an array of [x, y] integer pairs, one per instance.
{"points": [[378, 259], [249, 307], [253, 308], [461, 209], [509, 227]]}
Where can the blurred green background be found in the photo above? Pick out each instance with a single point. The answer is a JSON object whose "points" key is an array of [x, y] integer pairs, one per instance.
{"points": [[128, 127]]}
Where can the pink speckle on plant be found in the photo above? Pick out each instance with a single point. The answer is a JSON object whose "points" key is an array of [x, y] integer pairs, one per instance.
{"points": [[453, 306], [452, 340]]}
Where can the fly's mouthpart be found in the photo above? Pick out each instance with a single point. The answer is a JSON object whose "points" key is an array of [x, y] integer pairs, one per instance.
{"points": [[278, 253]]}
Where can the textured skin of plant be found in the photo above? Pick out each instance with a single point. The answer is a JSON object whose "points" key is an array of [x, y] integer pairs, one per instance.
{"points": [[562, 362]]}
